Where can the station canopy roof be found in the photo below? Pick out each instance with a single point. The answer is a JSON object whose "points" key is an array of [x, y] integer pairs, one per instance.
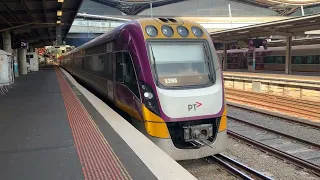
{"points": [[133, 7], [296, 26], [283, 7], [35, 21]]}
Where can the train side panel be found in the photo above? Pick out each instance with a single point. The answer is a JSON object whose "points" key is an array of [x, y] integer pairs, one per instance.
{"points": [[305, 58]]}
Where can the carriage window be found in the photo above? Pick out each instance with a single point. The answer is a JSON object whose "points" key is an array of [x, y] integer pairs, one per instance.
{"points": [[296, 60], [119, 68], [280, 59], [130, 78], [312, 60], [268, 59], [125, 72]]}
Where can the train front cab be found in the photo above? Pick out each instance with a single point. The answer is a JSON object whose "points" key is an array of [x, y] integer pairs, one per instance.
{"points": [[184, 108]]}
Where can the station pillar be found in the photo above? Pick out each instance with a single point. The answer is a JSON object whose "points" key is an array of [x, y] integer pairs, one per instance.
{"points": [[225, 57], [22, 61], [6, 36], [288, 55], [31, 48], [58, 35], [7, 41]]}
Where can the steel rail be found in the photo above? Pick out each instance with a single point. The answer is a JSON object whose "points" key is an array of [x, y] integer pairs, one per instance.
{"points": [[227, 161], [276, 132], [283, 155], [287, 103], [266, 112], [279, 107], [306, 102]]}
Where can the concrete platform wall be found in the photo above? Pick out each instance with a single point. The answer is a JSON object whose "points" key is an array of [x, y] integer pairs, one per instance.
{"points": [[294, 89]]}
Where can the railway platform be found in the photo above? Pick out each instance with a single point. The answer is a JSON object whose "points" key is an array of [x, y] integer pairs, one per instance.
{"points": [[301, 86], [53, 128]]}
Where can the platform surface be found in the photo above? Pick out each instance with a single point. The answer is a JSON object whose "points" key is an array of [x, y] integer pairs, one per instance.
{"points": [[299, 77], [41, 140]]}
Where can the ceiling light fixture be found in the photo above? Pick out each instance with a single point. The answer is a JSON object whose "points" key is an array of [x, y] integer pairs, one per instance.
{"points": [[59, 13]]}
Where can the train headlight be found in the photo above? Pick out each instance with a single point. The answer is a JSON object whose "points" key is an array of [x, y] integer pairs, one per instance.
{"points": [[148, 95], [151, 31], [197, 31], [149, 99], [167, 31], [182, 31]]}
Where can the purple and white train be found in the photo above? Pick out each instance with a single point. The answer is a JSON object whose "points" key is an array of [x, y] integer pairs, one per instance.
{"points": [[165, 74]]}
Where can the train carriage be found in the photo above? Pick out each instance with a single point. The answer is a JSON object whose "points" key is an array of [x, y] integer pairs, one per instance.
{"points": [[166, 75], [305, 58]]}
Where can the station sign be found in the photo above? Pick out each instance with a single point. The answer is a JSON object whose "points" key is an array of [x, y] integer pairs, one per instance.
{"points": [[16, 44]]}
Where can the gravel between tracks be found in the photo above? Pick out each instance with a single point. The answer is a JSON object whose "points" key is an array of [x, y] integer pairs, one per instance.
{"points": [[254, 158], [203, 170], [269, 165], [274, 123]]}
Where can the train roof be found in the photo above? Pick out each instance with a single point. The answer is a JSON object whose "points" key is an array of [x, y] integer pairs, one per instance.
{"points": [[111, 34]]}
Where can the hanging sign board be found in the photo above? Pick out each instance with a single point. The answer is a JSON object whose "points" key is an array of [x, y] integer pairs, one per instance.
{"points": [[16, 44]]}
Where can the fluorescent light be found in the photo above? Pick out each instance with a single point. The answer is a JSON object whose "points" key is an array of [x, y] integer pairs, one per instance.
{"points": [[59, 13], [58, 21]]}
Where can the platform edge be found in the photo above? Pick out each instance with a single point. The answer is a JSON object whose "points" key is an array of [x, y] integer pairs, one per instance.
{"points": [[153, 157]]}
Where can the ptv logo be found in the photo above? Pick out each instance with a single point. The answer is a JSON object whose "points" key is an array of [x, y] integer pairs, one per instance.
{"points": [[194, 106]]}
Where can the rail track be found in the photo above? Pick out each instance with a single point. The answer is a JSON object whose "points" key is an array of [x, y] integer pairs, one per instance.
{"points": [[283, 117], [236, 168], [273, 96], [300, 108], [302, 153]]}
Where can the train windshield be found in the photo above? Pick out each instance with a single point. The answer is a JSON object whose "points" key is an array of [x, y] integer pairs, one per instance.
{"points": [[178, 64]]}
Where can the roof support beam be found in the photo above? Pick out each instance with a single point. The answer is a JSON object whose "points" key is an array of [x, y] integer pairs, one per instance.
{"points": [[4, 20], [275, 32], [30, 16], [41, 39], [24, 25], [9, 12], [48, 11], [45, 14]]}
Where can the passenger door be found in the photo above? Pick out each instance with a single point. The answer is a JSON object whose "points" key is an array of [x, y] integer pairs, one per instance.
{"points": [[122, 92], [131, 81]]}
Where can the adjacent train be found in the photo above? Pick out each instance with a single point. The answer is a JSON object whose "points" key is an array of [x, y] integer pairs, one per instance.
{"points": [[166, 75], [305, 58]]}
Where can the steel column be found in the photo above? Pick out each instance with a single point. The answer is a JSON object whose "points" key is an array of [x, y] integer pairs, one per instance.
{"points": [[58, 35], [288, 55], [225, 57]]}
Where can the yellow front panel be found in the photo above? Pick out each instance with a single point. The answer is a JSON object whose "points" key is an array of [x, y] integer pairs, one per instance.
{"points": [[155, 125], [150, 116], [158, 130], [223, 121]]}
